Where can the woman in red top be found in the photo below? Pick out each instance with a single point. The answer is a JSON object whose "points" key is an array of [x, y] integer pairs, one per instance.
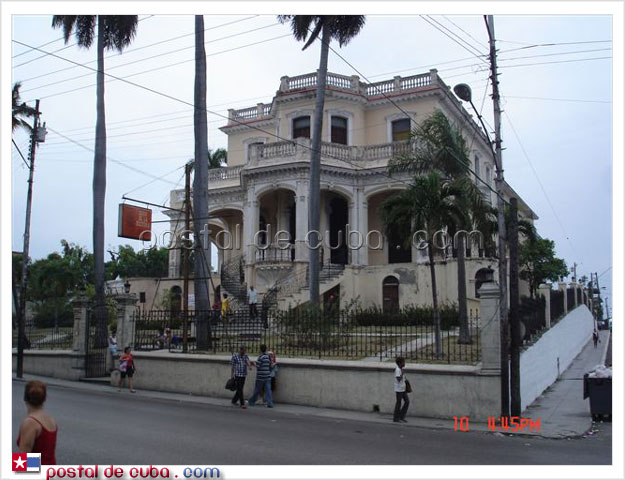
{"points": [[38, 430]]}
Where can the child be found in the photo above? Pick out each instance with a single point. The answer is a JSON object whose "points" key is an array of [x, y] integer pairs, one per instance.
{"points": [[127, 369]]}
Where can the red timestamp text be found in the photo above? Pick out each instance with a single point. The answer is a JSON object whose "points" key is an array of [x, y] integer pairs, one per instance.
{"points": [[501, 424]]}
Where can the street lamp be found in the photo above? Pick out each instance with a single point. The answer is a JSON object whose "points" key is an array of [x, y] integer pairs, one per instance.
{"points": [[463, 91]]}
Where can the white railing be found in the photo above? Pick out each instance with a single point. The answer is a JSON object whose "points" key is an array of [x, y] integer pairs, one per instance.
{"points": [[216, 175], [275, 150]]}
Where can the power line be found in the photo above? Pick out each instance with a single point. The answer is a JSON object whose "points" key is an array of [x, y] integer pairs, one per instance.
{"points": [[477, 55], [20, 152], [479, 42], [560, 99], [552, 44], [561, 61], [555, 54]]}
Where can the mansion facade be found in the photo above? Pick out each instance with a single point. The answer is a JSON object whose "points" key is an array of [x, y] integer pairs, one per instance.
{"points": [[258, 203]]}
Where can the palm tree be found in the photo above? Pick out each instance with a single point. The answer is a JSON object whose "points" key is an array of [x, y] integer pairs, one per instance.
{"points": [[217, 158], [113, 32], [440, 146], [200, 188], [307, 28], [430, 203], [21, 111]]}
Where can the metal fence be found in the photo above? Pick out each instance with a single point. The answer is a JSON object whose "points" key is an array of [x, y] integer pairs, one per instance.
{"points": [[556, 305], [59, 338], [532, 316], [570, 299], [307, 335]]}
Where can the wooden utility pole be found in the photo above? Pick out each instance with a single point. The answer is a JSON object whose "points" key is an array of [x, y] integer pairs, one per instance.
{"points": [[35, 138], [501, 226], [515, 325], [185, 254]]}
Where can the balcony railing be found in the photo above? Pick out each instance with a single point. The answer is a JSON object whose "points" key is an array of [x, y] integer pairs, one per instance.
{"points": [[215, 175], [338, 82]]}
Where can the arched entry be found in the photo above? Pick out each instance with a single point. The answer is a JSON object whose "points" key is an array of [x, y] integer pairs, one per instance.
{"points": [[176, 299], [482, 276], [390, 294]]}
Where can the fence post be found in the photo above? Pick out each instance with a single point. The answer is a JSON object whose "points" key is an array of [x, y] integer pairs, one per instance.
{"points": [[79, 332], [126, 306], [490, 337], [562, 286], [573, 285], [544, 289]]}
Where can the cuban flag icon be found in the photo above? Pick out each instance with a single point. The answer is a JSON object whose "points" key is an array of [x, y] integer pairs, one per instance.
{"points": [[27, 462]]}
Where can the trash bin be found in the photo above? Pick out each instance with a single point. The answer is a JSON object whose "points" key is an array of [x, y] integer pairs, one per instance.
{"points": [[600, 392]]}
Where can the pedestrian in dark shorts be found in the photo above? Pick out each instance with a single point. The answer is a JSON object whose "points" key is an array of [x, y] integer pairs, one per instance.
{"points": [[126, 369], [240, 361]]}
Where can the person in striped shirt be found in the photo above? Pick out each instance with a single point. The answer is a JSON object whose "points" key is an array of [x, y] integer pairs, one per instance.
{"points": [[263, 378]]}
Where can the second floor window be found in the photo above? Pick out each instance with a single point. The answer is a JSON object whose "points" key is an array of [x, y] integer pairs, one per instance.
{"points": [[301, 127], [477, 167], [251, 148], [400, 130], [339, 130]]}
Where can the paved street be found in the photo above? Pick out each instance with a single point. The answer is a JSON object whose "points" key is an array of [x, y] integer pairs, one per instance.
{"points": [[101, 426]]}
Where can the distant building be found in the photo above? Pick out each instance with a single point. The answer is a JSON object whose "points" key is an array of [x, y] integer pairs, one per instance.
{"points": [[262, 195]]}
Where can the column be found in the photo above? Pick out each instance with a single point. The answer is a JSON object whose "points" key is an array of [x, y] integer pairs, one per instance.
{"points": [[301, 221], [574, 287], [250, 226], [489, 328], [79, 345], [126, 308], [544, 289], [562, 287]]}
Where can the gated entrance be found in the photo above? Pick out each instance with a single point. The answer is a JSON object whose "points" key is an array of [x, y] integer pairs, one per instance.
{"points": [[96, 348]]}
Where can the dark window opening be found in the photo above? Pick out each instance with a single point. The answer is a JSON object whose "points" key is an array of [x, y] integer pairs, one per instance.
{"points": [[390, 295], [400, 129], [301, 127], [338, 132]]}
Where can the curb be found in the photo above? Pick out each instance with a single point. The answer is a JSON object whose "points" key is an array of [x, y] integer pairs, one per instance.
{"points": [[605, 349]]}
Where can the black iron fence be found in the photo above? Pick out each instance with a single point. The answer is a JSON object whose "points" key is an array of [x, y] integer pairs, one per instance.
{"points": [[556, 305], [59, 338], [532, 317], [308, 334], [570, 299]]}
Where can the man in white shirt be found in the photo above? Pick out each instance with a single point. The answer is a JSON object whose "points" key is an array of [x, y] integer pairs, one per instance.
{"points": [[400, 392], [253, 300]]}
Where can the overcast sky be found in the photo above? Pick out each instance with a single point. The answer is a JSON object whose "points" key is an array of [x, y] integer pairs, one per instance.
{"points": [[556, 82]]}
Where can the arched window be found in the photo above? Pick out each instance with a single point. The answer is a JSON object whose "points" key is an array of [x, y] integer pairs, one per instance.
{"points": [[483, 275], [338, 133], [176, 299], [400, 129], [390, 294]]}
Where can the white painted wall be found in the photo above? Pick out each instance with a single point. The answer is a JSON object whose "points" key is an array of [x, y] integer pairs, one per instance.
{"points": [[543, 362]]}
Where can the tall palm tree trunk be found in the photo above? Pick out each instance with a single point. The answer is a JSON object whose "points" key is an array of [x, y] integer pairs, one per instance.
{"points": [[314, 190], [99, 191], [200, 189], [435, 309], [463, 317]]}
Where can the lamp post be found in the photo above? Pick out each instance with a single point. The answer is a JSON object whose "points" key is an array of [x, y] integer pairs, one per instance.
{"points": [[463, 91]]}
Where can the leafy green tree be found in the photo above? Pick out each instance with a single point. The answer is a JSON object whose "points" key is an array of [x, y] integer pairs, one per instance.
{"points": [[217, 158], [430, 203], [538, 263], [112, 32], [308, 28], [126, 263], [21, 111]]}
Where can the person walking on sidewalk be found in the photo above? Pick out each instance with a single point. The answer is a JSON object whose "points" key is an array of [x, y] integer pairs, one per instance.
{"points": [[37, 433], [399, 415], [240, 361], [595, 338], [126, 369], [263, 378]]}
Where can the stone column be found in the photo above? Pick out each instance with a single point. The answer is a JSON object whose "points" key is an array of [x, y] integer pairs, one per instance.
{"points": [[80, 305], [126, 307], [489, 328], [357, 225], [301, 221], [544, 289], [562, 286]]}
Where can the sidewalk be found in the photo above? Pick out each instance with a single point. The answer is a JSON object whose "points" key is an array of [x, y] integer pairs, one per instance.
{"points": [[562, 410]]}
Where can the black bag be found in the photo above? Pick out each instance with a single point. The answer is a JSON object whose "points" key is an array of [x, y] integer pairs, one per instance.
{"points": [[408, 387], [231, 384]]}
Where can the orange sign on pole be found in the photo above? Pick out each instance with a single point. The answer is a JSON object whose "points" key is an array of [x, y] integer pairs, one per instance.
{"points": [[134, 222]]}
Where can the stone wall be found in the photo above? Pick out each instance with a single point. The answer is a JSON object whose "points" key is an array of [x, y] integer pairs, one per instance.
{"points": [[543, 362], [50, 363]]}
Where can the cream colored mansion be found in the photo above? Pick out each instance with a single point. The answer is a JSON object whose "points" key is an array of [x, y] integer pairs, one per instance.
{"points": [[258, 204]]}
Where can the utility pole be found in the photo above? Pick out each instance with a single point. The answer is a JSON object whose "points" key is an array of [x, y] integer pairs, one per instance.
{"points": [[37, 135], [501, 226], [185, 255], [515, 325], [574, 268]]}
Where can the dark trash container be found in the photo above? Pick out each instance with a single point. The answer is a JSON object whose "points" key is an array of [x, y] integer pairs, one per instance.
{"points": [[600, 392]]}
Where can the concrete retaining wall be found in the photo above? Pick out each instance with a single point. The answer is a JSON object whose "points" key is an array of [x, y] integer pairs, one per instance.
{"points": [[543, 362], [51, 363]]}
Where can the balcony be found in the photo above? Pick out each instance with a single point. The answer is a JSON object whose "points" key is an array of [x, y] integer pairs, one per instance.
{"points": [[334, 81]]}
